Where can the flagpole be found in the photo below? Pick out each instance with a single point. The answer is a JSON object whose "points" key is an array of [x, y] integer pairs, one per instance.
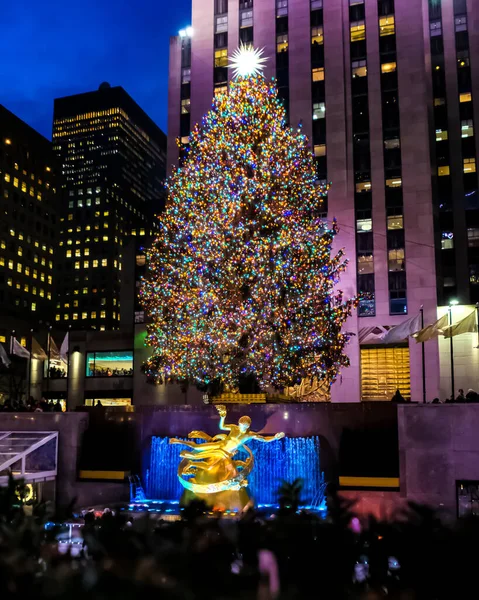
{"points": [[29, 380], [68, 367], [48, 363], [477, 311], [423, 352], [10, 386], [451, 346]]}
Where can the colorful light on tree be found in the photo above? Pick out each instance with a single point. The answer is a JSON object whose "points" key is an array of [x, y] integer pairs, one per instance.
{"points": [[241, 276]]}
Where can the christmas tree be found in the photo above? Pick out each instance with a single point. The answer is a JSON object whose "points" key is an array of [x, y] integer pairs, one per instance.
{"points": [[241, 276]]}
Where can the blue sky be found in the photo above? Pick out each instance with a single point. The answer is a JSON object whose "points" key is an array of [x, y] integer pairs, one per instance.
{"points": [[52, 48]]}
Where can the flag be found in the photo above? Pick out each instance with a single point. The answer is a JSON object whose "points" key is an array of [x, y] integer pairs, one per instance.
{"points": [[37, 351], [19, 350], [466, 325], [432, 331], [4, 357], [402, 331], [64, 349], [54, 352]]}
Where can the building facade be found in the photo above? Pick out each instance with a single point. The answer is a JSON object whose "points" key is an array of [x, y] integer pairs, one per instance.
{"points": [[29, 202], [113, 165], [384, 91]]}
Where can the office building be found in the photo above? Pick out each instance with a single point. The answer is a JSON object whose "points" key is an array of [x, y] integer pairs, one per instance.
{"points": [[113, 166], [387, 92], [28, 228]]}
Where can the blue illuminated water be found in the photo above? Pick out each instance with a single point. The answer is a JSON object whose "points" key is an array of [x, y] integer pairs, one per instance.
{"points": [[285, 459]]}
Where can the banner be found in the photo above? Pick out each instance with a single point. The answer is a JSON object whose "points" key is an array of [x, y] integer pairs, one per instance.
{"points": [[466, 325], [432, 331], [64, 349], [402, 331]]}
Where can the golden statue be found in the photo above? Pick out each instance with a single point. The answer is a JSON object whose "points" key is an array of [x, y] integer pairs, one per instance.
{"points": [[219, 479]]}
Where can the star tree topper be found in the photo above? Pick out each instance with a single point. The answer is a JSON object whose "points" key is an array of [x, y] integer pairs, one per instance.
{"points": [[247, 61]]}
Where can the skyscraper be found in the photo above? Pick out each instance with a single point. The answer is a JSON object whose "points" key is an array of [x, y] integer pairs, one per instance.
{"points": [[387, 92], [113, 166], [28, 227]]}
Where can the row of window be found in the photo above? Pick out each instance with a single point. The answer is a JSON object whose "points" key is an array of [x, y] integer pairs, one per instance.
{"points": [[25, 270], [87, 315], [29, 289]]}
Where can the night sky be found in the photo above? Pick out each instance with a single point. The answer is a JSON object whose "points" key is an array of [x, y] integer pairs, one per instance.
{"points": [[53, 48]]}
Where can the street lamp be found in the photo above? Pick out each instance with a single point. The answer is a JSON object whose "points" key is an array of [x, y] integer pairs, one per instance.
{"points": [[452, 303]]}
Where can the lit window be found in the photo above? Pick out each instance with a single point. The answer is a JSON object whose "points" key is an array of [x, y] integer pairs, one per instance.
{"points": [[77, 264], [320, 150], [104, 262], [77, 251], [389, 67], [42, 293], [2, 261], [441, 135], [15, 181], [86, 252], [282, 43], [443, 171], [19, 267], [435, 28], [93, 314], [394, 183], [318, 74], [467, 128], [473, 237], [281, 8], [396, 222], [221, 60], [358, 31], [447, 240], [469, 165], [396, 260], [386, 25], [365, 264], [35, 274], [467, 97], [10, 282], [57, 317], [105, 238], [84, 315], [363, 186], [49, 280], [86, 264], [185, 106], [103, 314], [20, 251], [7, 177], [317, 35], [75, 316], [376, 363], [364, 225], [26, 287], [359, 68], [65, 317], [10, 264], [460, 23], [24, 186], [94, 263], [319, 110], [70, 217], [34, 306], [85, 290]]}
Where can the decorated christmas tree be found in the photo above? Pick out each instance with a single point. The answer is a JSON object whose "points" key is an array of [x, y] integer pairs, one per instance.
{"points": [[241, 277]]}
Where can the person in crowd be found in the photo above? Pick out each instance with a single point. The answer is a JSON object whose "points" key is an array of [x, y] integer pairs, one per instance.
{"points": [[460, 396], [436, 401], [57, 407], [472, 396]]}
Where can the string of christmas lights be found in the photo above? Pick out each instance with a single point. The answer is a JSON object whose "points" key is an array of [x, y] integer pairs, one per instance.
{"points": [[241, 276]]}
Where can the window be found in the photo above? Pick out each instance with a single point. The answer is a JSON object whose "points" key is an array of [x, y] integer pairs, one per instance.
{"points": [[34, 306], [185, 78], [282, 43], [473, 237], [109, 364], [86, 264], [394, 182], [318, 74], [386, 25], [104, 262], [246, 18], [221, 59], [435, 28], [319, 110], [460, 23], [392, 144], [320, 150], [85, 290], [469, 165], [441, 135], [389, 67], [316, 4], [443, 171], [467, 128], [396, 260], [317, 35], [281, 8], [383, 371], [77, 264], [358, 31], [94, 263], [447, 240], [359, 68], [466, 97], [84, 315], [363, 186], [365, 264], [364, 225]]}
